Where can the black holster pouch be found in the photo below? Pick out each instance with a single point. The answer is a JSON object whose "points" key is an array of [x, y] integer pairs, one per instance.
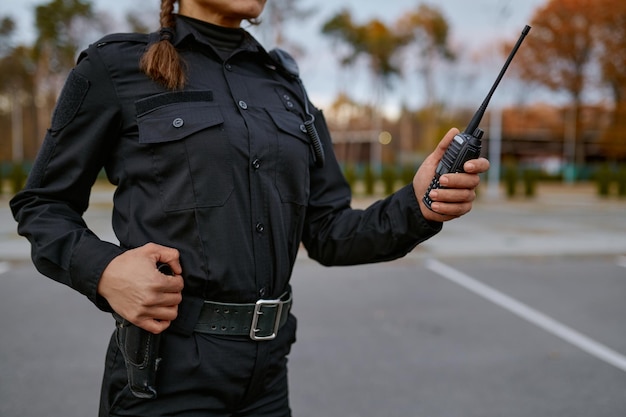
{"points": [[140, 350]]}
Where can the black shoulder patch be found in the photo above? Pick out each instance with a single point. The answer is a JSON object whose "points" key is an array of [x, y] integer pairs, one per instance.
{"points": [[70, 100]]}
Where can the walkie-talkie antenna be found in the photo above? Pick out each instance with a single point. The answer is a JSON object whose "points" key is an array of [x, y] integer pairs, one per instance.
{"points": [[467, 145], [473, 124]]}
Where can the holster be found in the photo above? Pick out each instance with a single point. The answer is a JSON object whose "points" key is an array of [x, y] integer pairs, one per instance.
{"points": [[140, 350]]}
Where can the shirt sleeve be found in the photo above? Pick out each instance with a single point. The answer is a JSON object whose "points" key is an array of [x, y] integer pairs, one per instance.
{"points": [[49, 210], [336, 234]]}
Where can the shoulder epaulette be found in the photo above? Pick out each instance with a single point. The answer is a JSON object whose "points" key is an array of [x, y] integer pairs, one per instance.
{"points": [[123, 37], [139, 38]]}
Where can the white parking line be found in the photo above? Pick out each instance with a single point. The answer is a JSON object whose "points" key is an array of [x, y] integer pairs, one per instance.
{"points": [[529, 314], [4, 267]]}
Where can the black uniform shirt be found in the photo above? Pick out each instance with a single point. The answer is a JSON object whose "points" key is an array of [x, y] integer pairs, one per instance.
{"points": [[222, 170]]}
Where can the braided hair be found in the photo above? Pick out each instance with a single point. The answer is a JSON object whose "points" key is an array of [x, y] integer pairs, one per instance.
{"points": [[161, 61]]}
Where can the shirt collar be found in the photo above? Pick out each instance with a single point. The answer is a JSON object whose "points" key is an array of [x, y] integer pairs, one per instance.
{"points": [[186, 33]]}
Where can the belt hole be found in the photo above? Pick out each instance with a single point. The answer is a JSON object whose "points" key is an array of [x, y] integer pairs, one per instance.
{"points": [[213, 327], [226, 311], [217, 310], [224, 328]]}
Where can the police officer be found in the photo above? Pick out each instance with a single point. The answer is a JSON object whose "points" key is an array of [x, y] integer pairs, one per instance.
{"points": [[222, 168]]}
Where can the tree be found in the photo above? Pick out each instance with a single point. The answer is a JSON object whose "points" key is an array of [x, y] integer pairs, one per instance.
{"points": [[16, 87], [61, 27], [274, 18], [379, 45], [12, 64], [16, 71], [32, 75], [7, 28], [374, 40], [611, 46], [558, 54], [428, 30]]}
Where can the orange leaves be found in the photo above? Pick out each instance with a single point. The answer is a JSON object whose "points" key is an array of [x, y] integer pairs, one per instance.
{"points": [[569, 37]]}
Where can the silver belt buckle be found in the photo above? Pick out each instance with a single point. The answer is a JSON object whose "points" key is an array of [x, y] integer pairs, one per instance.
{"points": [[258, 313]]}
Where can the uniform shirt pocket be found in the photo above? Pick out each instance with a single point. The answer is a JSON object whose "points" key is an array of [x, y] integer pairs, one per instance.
{"points": [[191, 156], [294, 157]]}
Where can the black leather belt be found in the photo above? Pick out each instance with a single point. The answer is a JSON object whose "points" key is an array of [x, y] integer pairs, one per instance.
{"points": [[260, 321]]}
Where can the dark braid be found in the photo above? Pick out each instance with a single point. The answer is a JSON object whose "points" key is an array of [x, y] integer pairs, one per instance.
{"points": [[161, 61]]}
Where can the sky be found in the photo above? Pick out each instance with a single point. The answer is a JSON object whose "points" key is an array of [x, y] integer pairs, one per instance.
{"points": [[475, 28]]}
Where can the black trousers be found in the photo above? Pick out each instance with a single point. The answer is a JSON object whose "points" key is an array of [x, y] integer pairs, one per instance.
{"points": [[206, 375]]}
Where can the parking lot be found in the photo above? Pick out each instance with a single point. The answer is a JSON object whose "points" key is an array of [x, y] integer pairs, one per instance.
{"points": [[515, 310]]}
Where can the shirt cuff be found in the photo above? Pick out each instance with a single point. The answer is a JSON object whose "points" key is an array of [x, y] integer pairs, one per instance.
{"points": [[422, 223], [89, 260]]}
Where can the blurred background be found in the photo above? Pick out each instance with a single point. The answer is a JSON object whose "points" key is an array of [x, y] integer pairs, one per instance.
{"points": [[392, 78]]}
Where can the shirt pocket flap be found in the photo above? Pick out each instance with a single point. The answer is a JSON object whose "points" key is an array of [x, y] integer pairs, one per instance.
{"points": [[291, 124], [177, 121]]}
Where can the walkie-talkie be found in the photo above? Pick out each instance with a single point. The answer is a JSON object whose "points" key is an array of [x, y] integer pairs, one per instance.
{"points": [[467, 145]]}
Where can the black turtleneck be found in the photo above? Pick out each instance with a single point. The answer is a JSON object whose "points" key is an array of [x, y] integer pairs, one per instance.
{"points": [[224, 39]]}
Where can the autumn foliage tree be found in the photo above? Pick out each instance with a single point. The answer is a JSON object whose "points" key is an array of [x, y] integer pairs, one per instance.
{"points": [[558, 53], [575, 45], [611, 44]]}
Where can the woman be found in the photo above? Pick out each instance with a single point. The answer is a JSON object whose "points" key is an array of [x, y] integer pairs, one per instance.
{"points": [[220, 174]]}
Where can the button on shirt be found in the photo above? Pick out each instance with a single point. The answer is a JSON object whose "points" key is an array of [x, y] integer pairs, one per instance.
{"points": [[222, 170]]}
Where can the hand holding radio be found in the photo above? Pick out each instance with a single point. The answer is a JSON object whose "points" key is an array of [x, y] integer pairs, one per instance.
{"points": [[456, 195], [453, 154]]}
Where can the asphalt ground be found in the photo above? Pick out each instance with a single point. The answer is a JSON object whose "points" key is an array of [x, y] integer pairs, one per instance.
{"points": [[517, 309]]}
